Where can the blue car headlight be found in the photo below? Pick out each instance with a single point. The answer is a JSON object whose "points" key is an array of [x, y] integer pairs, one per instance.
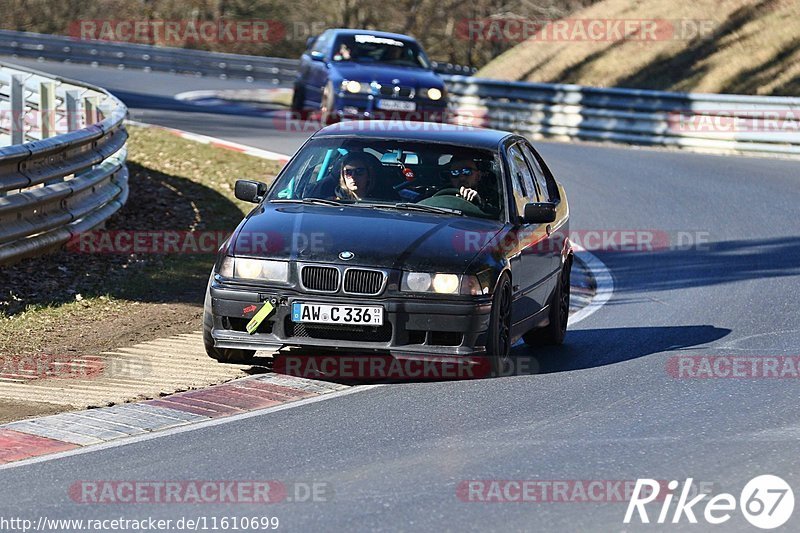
{"points": [[355, 87], [433, 93]]}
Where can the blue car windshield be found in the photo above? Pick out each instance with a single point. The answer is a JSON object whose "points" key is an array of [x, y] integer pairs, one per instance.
{"points": [[386, 172], [373, 49]]}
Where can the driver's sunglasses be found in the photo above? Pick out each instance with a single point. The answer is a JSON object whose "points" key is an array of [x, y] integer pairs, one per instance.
{"points": [[359, 171], [466, 171]]}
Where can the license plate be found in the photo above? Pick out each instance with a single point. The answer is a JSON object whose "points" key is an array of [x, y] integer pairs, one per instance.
{"points": [[397, 105], [337, 314]]}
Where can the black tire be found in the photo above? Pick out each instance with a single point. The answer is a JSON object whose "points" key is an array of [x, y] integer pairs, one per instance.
{"points": [[498, 343], [326, 114], [223, 355], [298, 112], [554, 332]]}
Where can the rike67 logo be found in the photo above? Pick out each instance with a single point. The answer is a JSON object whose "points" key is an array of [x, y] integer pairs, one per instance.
{"points": [[766, 502]]}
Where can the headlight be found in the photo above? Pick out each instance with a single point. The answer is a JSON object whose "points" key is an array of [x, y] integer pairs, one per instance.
{"points": [[445, 283], [351, 86], [416, 281], [434, 93], [258, 269], [440, 283]]}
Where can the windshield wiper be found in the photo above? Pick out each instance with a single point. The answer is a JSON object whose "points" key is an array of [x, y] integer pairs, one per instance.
{"points": [[316, 201], [426, 208]]}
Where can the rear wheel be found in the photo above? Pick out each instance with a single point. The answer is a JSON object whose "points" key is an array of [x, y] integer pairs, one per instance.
{"points": [[556, 330], [498, 345], [223, 355]]}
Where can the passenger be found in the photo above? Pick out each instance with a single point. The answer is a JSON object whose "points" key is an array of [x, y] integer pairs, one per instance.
{"points": [[356, 178]]}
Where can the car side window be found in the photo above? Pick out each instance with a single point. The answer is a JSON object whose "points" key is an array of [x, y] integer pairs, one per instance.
{"points": [[544, 179], [538, 174], [322, 42], [521, 179]]}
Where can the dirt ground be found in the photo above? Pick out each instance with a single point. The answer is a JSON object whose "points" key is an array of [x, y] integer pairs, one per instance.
{"points": [[76, 303]]}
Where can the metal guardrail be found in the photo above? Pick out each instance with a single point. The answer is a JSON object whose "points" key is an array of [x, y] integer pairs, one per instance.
{"points": [[708, 122], [271, 70], [62, 171]]}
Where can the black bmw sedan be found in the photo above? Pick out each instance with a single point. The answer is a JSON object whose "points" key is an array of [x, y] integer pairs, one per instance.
{"points": [[409, 239]]}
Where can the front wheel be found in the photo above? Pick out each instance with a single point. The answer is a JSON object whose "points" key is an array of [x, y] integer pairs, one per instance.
{"points": [[297, 109], [498, 345], [556, 330], [327, 113]]}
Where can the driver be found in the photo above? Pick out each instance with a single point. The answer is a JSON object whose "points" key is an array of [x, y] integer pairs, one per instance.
{"points": [[343, 54], [471, 184]]}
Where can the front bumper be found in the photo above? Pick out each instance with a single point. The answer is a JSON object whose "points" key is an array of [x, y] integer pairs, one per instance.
{"points": [[412, 326]]}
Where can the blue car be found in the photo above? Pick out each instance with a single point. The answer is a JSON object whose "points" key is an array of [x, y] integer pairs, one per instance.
{"points": [[360, 74]]}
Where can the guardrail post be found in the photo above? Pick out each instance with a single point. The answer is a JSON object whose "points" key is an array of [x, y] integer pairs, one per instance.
{"points": [[90, 110], [47, 115], [73, 99], [47, 108], [17, 109]]}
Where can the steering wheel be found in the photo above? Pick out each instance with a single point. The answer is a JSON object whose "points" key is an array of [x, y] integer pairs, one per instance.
{"points": [[449, 198], [450, 191]]}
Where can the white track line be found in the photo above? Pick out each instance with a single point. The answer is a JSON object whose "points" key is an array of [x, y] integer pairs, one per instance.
{"points": [[220, 143], [603, 279], [183, 429]]}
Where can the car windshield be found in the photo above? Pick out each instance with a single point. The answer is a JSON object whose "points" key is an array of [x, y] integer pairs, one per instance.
{"points": [[405, 175], [372, 49]]}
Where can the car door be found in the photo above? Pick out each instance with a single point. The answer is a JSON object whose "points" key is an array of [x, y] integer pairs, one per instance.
{"points": [[530, 260]]}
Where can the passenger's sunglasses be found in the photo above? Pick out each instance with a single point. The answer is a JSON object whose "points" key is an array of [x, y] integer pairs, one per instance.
{"points": [[359, 171], [466, 171]]}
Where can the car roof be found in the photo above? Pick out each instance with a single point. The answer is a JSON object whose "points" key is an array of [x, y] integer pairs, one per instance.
{"points": [[356, 31], [416, 131]]}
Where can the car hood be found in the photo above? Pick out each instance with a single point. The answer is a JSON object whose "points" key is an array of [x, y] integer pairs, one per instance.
{"points": [[382, 238], [383, 74]]}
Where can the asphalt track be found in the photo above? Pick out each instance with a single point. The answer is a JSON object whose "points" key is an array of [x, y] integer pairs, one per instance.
{"points": [[602, 407]]}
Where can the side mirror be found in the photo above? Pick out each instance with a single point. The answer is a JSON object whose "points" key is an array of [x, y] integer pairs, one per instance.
{"points": [[539, 213], [250, 191], [317, 56], [310, 41]]}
